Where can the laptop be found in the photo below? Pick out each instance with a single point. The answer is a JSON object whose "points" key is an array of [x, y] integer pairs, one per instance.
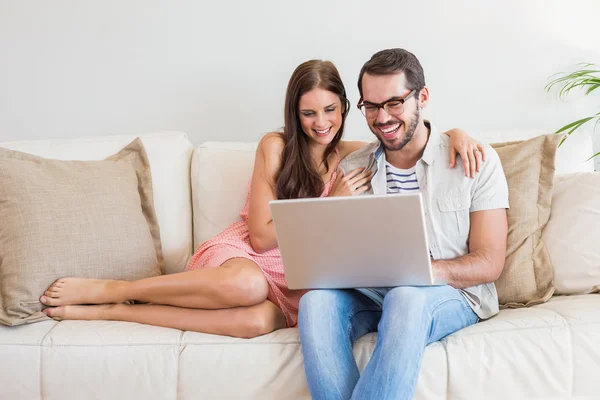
{"points": [[353, 242]]}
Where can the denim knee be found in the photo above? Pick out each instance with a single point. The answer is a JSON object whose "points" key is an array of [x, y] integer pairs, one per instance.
{"points": [[318, 301], [406, 297]]}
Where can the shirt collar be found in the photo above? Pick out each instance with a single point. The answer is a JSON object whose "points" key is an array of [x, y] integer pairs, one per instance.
{"points": [[432, 148]]}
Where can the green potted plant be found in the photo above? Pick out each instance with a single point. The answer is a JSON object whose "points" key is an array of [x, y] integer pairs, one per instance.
{"points": [[587, 78]]}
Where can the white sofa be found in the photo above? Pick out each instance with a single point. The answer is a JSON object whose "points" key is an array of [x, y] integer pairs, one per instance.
{"points": [[551, 351]]}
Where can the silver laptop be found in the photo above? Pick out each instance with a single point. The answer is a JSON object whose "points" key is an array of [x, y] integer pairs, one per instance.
{"points": [[353, 242]]}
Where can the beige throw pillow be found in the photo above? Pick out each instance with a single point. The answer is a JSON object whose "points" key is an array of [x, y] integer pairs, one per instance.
{"points": [[92, 219], [529, 169]]}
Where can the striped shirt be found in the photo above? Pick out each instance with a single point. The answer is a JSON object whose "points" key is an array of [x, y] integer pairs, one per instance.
{"points": [[401, 180]]}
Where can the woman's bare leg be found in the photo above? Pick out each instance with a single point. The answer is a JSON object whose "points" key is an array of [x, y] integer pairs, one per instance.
{"points": [[237, 282], [245, 322]]}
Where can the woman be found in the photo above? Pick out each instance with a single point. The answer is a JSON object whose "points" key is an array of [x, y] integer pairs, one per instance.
{"points": [[234, 284]]}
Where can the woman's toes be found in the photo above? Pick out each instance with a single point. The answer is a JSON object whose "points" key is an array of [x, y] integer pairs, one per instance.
{"points": [[49, 301], [54, 312], [54, 284]]}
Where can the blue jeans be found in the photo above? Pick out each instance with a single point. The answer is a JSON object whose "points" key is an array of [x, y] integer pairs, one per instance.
{"points": [[407, 319]]}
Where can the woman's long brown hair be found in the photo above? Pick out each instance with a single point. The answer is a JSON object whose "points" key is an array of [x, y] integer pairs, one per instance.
{"points": [[298, 176]]}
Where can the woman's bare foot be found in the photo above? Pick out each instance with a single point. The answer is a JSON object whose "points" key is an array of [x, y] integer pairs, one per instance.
{"points": [[71, 291], [88, 313]]}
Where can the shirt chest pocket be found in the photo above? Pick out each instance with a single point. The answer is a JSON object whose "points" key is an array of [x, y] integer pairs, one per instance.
{"points": [[454, 212]]}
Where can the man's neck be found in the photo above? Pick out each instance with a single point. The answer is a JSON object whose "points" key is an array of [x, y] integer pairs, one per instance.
{"points": [[412, 152]]}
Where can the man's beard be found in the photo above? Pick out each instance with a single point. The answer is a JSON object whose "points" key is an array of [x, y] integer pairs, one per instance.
{"points": [[408, 134]]}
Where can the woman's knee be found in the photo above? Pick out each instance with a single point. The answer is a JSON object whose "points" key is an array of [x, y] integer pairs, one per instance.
{"points": [[259, 320], [245, 283]]}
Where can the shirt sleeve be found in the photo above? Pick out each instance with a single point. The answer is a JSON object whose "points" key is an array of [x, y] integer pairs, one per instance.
{"points": [[490, 190]]}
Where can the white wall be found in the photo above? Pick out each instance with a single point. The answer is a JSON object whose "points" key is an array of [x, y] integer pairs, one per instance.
{"points": [[218, 69]]}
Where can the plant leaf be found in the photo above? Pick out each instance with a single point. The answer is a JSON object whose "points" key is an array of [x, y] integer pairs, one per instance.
{"points": [[595, 155], [592, 88], [585, 76], [575, 124]]}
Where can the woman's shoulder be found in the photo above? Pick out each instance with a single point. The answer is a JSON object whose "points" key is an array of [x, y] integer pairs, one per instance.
{"points": [[272, 141], [348, 147], [270, 148]]}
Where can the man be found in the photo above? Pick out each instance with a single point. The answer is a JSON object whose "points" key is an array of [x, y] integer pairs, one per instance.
{"points": [[466, 228]]}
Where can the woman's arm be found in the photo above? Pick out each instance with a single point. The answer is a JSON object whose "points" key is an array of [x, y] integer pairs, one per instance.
{"points": [[470, 150], [266, 166]]}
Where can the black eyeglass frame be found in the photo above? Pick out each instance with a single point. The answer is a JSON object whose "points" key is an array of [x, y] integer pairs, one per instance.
{"points": [[383, 105]]}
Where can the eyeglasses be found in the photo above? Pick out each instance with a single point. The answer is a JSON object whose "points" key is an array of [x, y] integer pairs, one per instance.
{"points": [[393, 106]]}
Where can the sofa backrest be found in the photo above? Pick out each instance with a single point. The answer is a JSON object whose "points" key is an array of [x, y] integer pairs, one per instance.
{"points": [[169, 154], [221, 172]]}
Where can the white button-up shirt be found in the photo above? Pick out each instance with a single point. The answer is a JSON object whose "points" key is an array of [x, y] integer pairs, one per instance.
{"points": [[448, 199]]}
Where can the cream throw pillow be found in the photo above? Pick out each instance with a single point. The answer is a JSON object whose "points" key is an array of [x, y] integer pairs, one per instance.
{"points": [[92, 219], [529, 169], [573, 233]]}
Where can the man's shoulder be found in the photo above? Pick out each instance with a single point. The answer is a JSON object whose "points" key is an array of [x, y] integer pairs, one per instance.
{"points": [[364, 151], [359, 158], [492, 159]]}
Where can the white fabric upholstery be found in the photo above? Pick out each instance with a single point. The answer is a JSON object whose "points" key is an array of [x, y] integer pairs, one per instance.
{"points": [[572, 235], [546, 352], [169, 154], [220, 175]]}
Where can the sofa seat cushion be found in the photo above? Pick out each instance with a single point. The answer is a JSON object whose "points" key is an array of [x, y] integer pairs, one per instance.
{"points": [[549, 351]]}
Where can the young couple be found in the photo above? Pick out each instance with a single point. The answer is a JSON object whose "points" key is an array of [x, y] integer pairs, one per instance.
{"points": [[234, 284]]}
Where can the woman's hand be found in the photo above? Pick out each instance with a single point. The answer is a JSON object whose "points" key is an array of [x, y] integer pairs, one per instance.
{"points": [[470, 150], [356, 182]]}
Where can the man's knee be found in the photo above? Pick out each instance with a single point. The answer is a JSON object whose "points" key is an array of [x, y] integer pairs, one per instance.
{"points": [[416, 300], [319, 310], [407, 299], [320, 301]]}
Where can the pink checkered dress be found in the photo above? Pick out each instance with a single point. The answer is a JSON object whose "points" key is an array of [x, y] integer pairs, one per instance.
{"points": [[234, 242]]}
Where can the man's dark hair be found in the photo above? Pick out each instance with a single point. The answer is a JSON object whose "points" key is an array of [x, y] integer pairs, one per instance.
{"points": [[394, 61]]}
